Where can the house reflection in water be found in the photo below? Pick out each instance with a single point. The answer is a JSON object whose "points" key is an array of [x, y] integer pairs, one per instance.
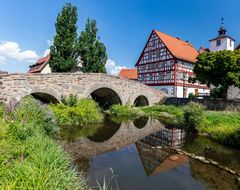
{"points": [[160, 160]]}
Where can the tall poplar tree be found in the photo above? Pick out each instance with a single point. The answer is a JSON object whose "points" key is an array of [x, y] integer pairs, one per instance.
{"points": [[63, 54], [91, 50]]}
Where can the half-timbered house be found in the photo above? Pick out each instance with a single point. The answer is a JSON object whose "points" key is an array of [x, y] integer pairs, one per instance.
{"points": [[166, 63]]}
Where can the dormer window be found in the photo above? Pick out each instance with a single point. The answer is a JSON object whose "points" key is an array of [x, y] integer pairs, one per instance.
{"points": [[218, 42]]}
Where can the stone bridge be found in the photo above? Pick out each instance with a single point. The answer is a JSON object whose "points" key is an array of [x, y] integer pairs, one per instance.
{"points": [[105, 89]]}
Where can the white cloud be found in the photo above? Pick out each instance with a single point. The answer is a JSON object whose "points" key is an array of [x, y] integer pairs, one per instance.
{"points": [[2, 59], [46, 52], [49, 42], [112, 68], [11, 51]]}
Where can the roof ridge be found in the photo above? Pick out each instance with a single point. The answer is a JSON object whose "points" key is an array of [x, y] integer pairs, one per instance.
{"points": [[174, 37], [177, 47]]}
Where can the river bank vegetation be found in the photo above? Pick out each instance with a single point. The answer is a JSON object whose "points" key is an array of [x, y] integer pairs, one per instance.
{"points": [[74, 112], [221, 126], [30, 156]]}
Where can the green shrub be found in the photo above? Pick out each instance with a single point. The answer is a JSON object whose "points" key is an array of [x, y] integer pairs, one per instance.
{"points": [[85, 112], [193, 117], [70, 101], [191, 96]]}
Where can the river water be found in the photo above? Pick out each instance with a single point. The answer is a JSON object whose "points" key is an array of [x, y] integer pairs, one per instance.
{"points": [[122, 154]]}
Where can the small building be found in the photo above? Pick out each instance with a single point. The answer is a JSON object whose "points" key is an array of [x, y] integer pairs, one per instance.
{"points": [[222, 41], [166, 63], [41, 66], [129, 74]]}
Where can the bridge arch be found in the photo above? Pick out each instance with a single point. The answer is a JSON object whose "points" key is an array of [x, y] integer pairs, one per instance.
{"points": [[45, 95], [105, 96], [141, 101]]}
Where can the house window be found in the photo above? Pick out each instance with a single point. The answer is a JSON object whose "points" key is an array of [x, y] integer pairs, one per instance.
{"points": [[230, 43], [168, 76], [218, 42]]}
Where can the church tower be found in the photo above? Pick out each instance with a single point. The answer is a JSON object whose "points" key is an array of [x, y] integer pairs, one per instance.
{"points": [[222, 41]]}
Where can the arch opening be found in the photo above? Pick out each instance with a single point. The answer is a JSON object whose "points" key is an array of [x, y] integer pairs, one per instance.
{"points": [[141, 101], [105, 97], [141, 122], [45, 98]]}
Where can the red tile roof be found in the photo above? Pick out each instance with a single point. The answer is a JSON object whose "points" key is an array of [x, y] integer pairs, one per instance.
{"points": [[203, 49], [179, 48], [129, 73], [39, 65]]}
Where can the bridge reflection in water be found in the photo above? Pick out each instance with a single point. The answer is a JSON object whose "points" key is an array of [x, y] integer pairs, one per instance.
{"points": [[131, 132]]}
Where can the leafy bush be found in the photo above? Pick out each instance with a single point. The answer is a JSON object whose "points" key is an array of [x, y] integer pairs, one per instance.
{"points": [[70, 101], [191, 96], [85, 112], [193, 117]]}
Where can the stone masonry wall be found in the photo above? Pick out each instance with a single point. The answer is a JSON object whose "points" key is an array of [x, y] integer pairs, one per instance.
{"points": [[16, 86]]}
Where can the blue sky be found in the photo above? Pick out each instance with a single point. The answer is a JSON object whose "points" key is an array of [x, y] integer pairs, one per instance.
{"points": [[27, 26]]}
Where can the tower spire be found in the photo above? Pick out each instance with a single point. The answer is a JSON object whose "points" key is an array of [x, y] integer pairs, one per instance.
{"points": [[222, 31]]}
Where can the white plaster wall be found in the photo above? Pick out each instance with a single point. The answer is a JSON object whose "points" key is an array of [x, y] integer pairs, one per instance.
{"points": [[190, 90], [46, 69], [225, 45], [233, 93]]}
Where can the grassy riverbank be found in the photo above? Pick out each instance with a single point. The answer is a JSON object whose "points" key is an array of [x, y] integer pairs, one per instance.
{"points": [[30, 156], [222, 126]]}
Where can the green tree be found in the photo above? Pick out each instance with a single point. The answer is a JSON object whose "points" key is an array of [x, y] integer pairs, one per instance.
{"points": [[91, 50], [63, 51], [221, 69]]}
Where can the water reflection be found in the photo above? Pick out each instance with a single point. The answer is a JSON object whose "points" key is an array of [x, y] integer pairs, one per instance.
{"points": [[106, 131], [159, 160], [118, 137], [128, 149]]}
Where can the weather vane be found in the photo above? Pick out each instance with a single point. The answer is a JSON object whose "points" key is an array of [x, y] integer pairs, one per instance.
{"points": [[222, 19]]}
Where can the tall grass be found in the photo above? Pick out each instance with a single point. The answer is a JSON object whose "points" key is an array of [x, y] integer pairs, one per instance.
{"points": [[29, 156], [223, 127], [124, 110]]}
